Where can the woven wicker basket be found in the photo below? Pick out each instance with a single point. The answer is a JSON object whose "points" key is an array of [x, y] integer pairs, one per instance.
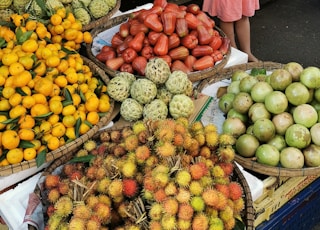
{"points": [[247, 215], [50, 156], [193, 76], [250, 163], [102, 20]]}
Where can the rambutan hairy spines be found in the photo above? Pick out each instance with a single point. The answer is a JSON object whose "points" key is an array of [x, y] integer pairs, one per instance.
{"points": [[185, 211], [195, 187], [210, 197], [217, 171], [53, 195], [183, 178], [210, 128], [223, 188], [131, 142], [155, 225], [81, 211], [238, 205], [226, 153], [183, 224], [197, 203], [171, 189], [184, 121], [51, 181], [103, 211], [178, 140], [115, 188], [183, 195], [212, 139], [77, 223], [156, 211], [168, 221], [138, 127], [200, 222], [216, 223], [90, 145], [227, 167], [226, 139], [63, 206], [142, 153], [129, 168], [235, 190], [196, 171], [130, 187], [170, 206], [196, 127], [165, 149], [164, 133]]}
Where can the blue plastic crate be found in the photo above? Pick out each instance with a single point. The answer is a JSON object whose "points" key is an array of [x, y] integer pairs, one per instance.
{"points": [[301, 212]]}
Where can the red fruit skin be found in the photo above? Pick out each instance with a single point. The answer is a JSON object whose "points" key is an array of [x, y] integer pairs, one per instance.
{"points": [[216, 42], [161, 3], [174, 41], [174, 8], [153, 10], [193, 8], [225, 46], [124, 44], [126, 67], [179, 65], [104, 56], [217, 55], [192, 21], [130, 187], [106, 48], [51, 181], [115, 63], [129, 54], [153, 37], [167, 58], [116, 40], [153, 22], [137, 42], [190, 41], [147, 52], [162, 45], [189, 61], [139, 64], [145, 42], [169, 22], [181, 27], [179, 53], [235, 190], [135, 14], [205, 19], [203, 35], [202, 50], [203, 63], [137, 27], [124, 29]]}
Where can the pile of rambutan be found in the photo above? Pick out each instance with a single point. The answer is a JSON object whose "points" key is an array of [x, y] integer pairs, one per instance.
{"points": [[164, 174]]}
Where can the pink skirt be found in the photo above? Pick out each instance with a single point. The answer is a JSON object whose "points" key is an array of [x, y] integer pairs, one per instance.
{"points": [[230, 10]]}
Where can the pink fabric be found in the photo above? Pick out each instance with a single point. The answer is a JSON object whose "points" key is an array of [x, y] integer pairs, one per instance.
{"points": [[230, 10]]}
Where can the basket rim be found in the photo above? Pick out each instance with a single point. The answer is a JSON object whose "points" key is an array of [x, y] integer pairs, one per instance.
{"points": [[193, 76], [103, 19], [250, 163], [69, 147]]}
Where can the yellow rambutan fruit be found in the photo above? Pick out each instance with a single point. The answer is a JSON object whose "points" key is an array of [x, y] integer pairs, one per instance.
{"points": [[82, 152], [142, 153], [81, 210], [238, 205], [54, 221], [200, 137], [90, 145], [131, 142], [93, 225], [205, 152], [63, 206], [217, 171], [210, 197], [229, 225], [105, 199], [180, 128], [103, 211], [103, 184], [226, 214], [164, 133], [226, 139], [223, 201], [183, 178], [155, 211], [183, 224], [91, 201], [195, 188], [170, 206], [115, 188], [127, 131], [210, 128], [200, 222], [165, 149], [183, 120], [155, 225], [196, 127], [139, 126], [183, 195], [53, 195], [171, 189], [168, 221], [216, 223], [77, 223], [212, 139], [226, 153]]}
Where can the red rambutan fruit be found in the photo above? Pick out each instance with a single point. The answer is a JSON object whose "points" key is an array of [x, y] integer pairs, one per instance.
{"points": [[130, 187], [76, 175], [155, 225], [148, 184], [178, 139], [64, 187], [235, 190], [103, 211], [91, 172], [223, 188], [223, 201], [68, 169], [210, 197], [227, 167], [51, 181], [196, 171], [50, 210]]}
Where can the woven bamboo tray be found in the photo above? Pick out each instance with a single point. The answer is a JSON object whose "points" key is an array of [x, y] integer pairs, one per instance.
{"points": [[103, 19], [193, 76], [247, 214], [250, 163], [50, 156]]}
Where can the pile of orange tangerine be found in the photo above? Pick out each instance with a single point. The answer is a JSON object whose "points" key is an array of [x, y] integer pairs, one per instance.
{"points": [[48, 95]]}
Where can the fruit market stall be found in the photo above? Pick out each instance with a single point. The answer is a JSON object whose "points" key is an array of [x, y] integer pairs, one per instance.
{"points": [[195, 99]]}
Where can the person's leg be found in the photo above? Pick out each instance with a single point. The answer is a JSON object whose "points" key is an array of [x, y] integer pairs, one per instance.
{"points": [[242, 28], [228, 29]]}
